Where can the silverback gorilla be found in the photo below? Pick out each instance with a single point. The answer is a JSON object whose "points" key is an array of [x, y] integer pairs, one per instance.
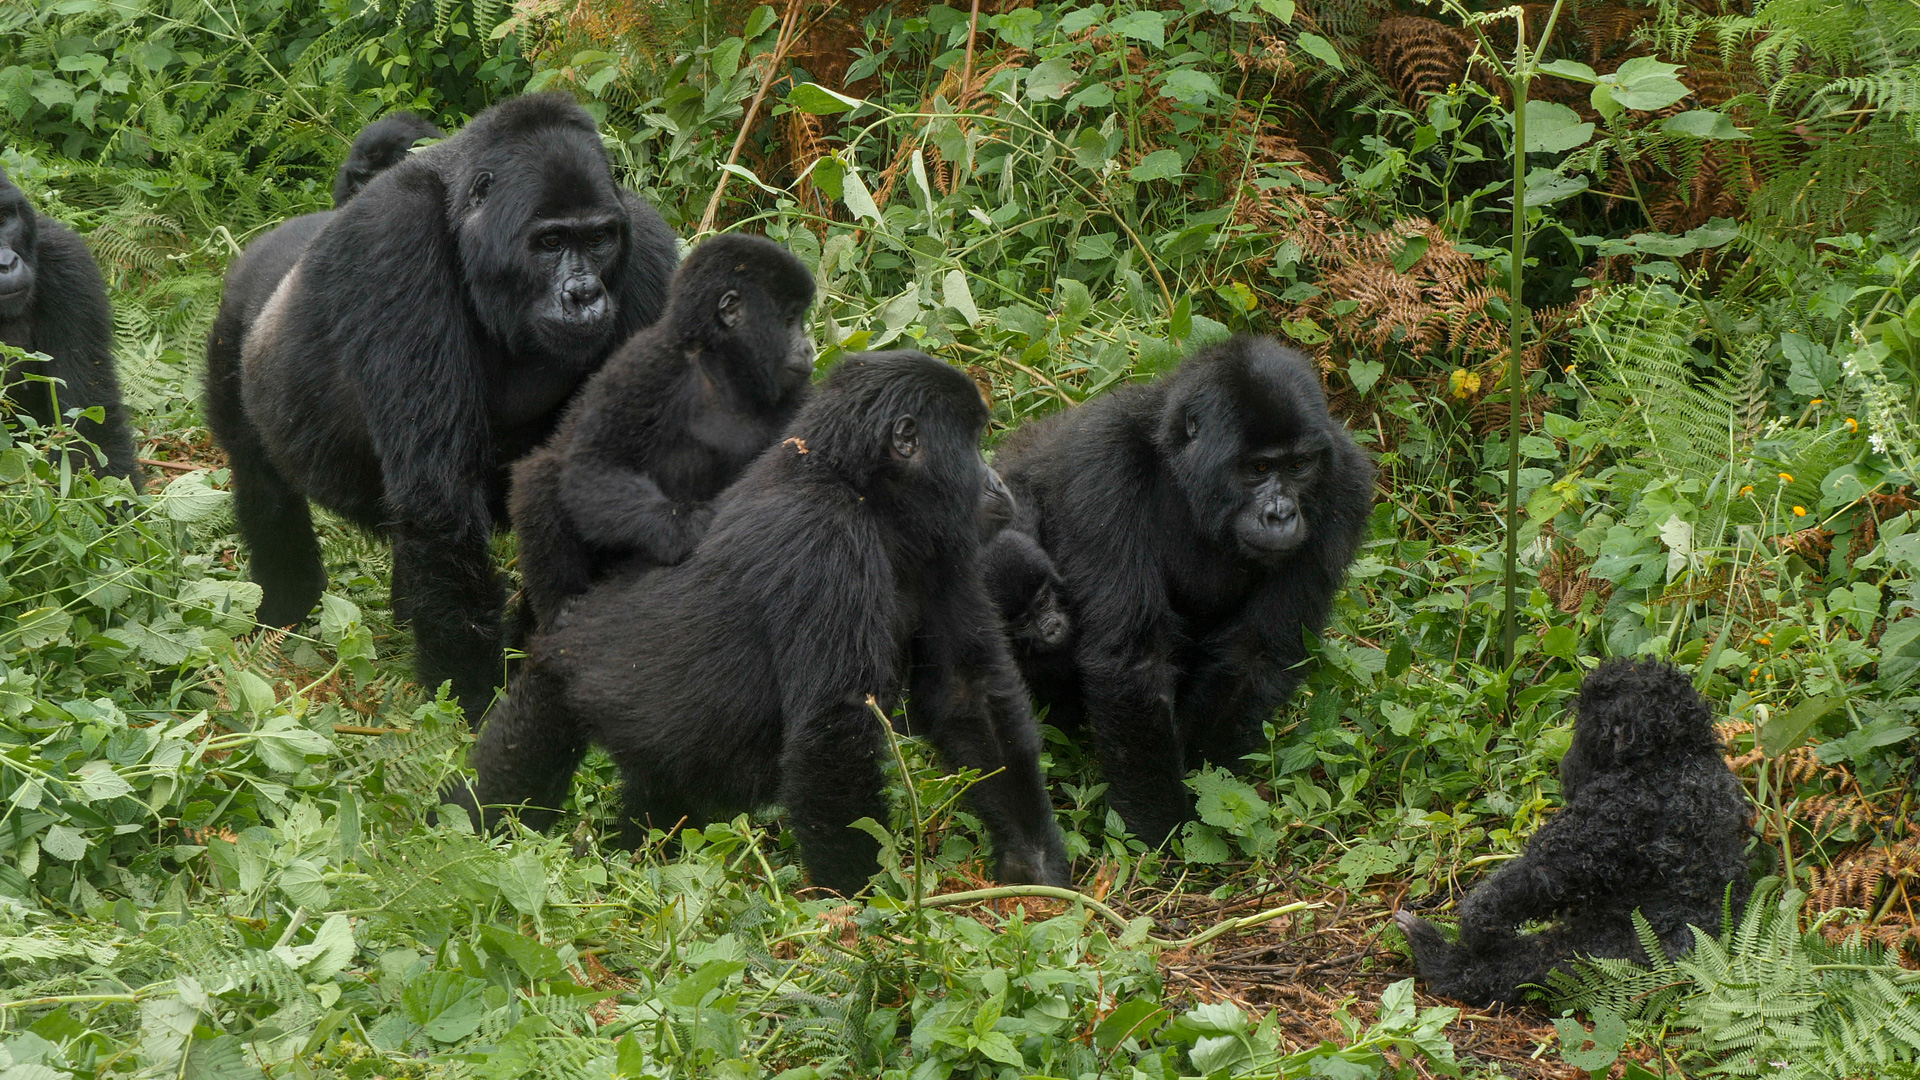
{"points": [[667, 424], [1654, 821], [1200, 525], [428, 335], [840, 566], [380, 146], [53, 301]]}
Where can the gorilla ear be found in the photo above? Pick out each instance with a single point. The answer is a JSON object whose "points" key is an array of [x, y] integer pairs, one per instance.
{"points": [[729, 309], [906, 437], [478, 189]]}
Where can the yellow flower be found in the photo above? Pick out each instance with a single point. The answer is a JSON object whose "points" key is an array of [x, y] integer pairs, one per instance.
{"points": [[1568, 369], [1852, 424], [1747, 490], [1786, 478], [1818, 401], [1464, 382], [1799, 511]]}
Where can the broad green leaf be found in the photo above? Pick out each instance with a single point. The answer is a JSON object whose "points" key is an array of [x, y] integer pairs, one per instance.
{"points": [[1321, 49], [1159, 165], [1147, 26], [1189, 86], [1279, 9], [95, 781], [39, 627], [1553, 128], [859, 201], [1545, 187], [1410, 253], [1569, 69], [189, 499], [1645, 83], [816, 99], [535, 960], [694, 988], [1132, 1019], [1364, 374], [759, 22], [1703, 124], [64, 842], [1050, 80], [1784, 731], [447, 1005], [955, 293]]}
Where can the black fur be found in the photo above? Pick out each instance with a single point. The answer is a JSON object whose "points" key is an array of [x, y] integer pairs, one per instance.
{"points": [[53, 301], [1654, 820], [379, 146], [1190, 574], [1027, 591], [667, 424], [391, 361], [839, 566]]}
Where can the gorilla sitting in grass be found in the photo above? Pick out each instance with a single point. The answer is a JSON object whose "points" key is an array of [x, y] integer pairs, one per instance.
{"points": [[1655, 820]]}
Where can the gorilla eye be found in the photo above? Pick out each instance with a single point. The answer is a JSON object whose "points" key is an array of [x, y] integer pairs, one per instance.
{"points": [[1298, 465], [1262, 467], [550, 241]]}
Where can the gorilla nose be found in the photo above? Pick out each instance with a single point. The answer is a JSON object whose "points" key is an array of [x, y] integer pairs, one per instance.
{"points": [[10, 263], [1279, 516], [583, 297]]}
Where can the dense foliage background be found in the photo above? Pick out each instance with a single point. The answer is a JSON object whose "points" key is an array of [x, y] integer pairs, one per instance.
{"points": [[215, 859]]}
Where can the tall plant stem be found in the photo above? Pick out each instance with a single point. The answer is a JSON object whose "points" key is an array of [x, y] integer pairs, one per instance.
{"points": [[1520, 77], [781, 43]]}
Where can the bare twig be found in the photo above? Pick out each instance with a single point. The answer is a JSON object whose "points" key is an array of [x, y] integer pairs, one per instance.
{"points": [[780, 46], [176, 466], [966, 66]]}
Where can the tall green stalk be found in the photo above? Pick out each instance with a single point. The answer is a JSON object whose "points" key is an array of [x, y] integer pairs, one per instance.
{"points": [[1518, 76]]}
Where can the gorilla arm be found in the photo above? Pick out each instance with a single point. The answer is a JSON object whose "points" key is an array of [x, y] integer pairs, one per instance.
{"points": [[967, 698], [1566, 863], [79, 339]]}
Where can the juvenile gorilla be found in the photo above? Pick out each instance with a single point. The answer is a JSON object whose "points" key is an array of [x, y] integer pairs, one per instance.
{"points": [[391, 362], [840, 566], [1654, 820], [380, 146], [668, 423], [53, 301], [1026, 589], [1201, 525]]}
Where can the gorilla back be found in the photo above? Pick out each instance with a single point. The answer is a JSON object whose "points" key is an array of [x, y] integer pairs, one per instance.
{"points": [[429, 334], [1199, 524]]}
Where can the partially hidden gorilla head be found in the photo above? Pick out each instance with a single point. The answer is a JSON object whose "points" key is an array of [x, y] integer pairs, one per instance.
{"points": [[1246, 433], [19, 231], [745, 299], [540, 225], [380, 146], [1636, 710], [905, 427], [1026, 588]]}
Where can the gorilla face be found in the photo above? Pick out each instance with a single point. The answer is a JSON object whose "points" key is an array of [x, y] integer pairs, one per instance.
{"points": [[542, 235], [1044, 626], [996, 503], [1276, 481], [17, 231]]}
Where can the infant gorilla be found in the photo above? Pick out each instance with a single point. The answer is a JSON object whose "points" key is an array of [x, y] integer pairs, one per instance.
{"points": [[1654, 820]]}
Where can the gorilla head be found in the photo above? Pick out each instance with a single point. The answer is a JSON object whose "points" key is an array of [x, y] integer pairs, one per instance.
{"points": [[540, 225], [1246, 435], [746, 297], [19, 229], [379, 146]]}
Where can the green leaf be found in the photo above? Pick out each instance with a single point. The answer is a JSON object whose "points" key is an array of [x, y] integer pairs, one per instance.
{"points": [[188, 498], [1601, 98], [447, 1005], [694, 988], [1189, 86], [1553, 128], [1703, 124], [64, 842], [1365, 861], [1646, 84], [1412, 252], [523, 881], [1545, 187], [1133, 1019], [1561, 641], [95, 781], [1364, 374], [997, 1046], [1159, 165], [858, 200], [1569, 69], [759, 22], [816, 99], [39, 627], [1321, 49], [955, 294], [1784, 731], [1609, 1035], [534, 959], [1147, 26], [1050, 80], [1279, 9]]}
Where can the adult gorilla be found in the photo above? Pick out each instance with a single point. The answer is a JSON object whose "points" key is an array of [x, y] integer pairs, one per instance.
{"points": [[1200, 524], [52, 301], [426, 336], [380, 146]]}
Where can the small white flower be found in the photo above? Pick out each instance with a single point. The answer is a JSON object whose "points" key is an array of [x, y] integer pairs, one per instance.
{"points": [[1878, 442]]}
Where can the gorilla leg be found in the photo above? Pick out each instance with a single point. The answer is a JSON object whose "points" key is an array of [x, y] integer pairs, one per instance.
{"points": [[527, 753], [282, 551], [831, 778], [446, 587]]}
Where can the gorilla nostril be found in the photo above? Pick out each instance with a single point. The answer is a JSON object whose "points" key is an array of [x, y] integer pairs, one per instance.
{"points": [[10, 263], [583, 292]]}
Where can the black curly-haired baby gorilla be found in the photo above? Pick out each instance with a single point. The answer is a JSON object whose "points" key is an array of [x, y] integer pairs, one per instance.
{"points": [[1200, 525], [1654, 820], [667, 424], [53, 301], [380, 146], [393, 362], [1027, 591], [839, 566]]}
